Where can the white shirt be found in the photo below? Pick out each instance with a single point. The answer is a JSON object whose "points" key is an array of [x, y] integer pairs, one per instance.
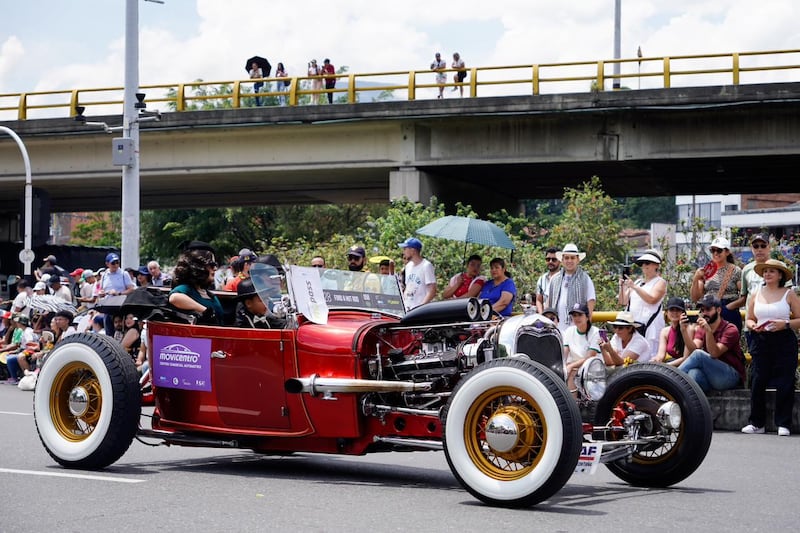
{"points": [[642, 311], [21, 303], [637, 345], [580, 343], [419, 278]]}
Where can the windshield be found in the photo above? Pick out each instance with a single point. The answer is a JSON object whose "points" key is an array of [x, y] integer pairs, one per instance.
{"points": [[315, 290]]}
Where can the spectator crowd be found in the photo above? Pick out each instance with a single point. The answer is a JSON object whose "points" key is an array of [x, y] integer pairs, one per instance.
{"points": [[653, 325]]}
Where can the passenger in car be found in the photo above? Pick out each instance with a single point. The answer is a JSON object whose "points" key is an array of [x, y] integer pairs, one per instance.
{"points": [[194, 277], [251, 311]]}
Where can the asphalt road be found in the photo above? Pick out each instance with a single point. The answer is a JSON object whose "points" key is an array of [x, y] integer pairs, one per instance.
{"points": [[747, 483]]}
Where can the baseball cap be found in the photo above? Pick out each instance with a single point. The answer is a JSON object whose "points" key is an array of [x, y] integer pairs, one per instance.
{"points": [[247, 256], [110, 258], [550, 311], [720, 242], [708, 301], [356, 250], [54, 280], [50, 259], [580, 308], [759, 237], [676, 303], [87, 274], [411, 242], [40, 286], [76, 272], [143, 270]]}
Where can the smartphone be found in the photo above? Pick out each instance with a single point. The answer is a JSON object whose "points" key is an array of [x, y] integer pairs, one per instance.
{"points": [[626, 271], [604, 335]]}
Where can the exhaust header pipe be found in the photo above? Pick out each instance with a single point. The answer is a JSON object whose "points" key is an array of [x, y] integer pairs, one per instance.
{"points": [[316, 385]]}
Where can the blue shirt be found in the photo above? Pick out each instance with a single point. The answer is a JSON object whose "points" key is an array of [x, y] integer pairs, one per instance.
{"points": [[493, 293]]}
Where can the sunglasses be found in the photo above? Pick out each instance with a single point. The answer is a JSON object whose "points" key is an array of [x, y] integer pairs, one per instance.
{"points": [[353, 257], [759, 246], [318, 266], [646, 263], [114, 262], [716, 250], [551, 259]]}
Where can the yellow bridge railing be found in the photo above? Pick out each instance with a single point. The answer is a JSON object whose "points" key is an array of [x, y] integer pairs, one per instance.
{"points": [[580, 76]]}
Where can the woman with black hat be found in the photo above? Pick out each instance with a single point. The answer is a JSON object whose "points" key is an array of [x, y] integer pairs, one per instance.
{"points": [[773, 346]]}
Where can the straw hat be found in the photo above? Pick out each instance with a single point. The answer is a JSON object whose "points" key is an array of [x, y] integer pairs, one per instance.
{"points": [[624, 318], [773, 263]]}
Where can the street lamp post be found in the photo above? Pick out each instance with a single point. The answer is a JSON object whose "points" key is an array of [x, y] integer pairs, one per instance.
{"points": [[617, 41], [26, 256], [130, 130]]}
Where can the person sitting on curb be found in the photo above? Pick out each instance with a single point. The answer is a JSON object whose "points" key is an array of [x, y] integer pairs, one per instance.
{"points": [[717, 363]]}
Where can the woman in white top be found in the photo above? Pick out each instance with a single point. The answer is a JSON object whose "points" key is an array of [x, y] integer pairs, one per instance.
{"points": [[626, 344], [643, 297], [316, 83], [773, 346]]}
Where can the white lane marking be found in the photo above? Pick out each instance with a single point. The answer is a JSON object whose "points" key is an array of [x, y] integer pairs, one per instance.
{"points": [[15, 413], [77, 476]]}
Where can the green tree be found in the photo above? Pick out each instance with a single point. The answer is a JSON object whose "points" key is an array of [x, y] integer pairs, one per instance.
{"points": [[641, 212], [591, 221], [101, 229]]}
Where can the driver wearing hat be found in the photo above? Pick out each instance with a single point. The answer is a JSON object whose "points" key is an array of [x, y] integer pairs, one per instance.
{"points": [[572, 286]]}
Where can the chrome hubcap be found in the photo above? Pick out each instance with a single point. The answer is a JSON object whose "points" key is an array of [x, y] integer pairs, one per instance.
{"points": [[502, 433], [78, 401]]}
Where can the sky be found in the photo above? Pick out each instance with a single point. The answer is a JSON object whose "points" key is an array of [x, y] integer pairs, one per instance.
{"points": [[66, 44]]}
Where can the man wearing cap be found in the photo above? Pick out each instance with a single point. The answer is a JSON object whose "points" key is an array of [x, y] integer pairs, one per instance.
{"points": [[751, 280], [88, 296], [357, 262], [60, 290], [115, 280], [553, 265], [717, 362], [49, 266], [75, 283], [571, 286], [420, 279], [251, 311]]}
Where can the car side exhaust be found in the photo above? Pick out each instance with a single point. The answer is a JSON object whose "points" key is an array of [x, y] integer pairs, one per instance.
{"points": [[316, 385]]}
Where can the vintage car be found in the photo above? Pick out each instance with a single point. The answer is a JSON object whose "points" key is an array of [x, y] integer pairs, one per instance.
{"points": [[353, 373]]}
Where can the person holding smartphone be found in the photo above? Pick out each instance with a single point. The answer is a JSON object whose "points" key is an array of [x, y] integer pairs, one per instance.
{"points": [[773, 346], [643, 297], [673, 348]]}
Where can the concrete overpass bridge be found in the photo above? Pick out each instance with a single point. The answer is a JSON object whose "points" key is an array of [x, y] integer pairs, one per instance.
{"points": [[490, 152]]}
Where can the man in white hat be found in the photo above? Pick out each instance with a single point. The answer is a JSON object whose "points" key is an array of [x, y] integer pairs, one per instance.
{"points": [[88, 296], [571, 286]]}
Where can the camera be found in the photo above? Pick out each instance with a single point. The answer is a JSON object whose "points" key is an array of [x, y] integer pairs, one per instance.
{"points": [[692, 319]]}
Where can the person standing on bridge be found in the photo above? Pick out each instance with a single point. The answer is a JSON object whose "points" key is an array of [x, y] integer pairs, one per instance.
{"points": [[329, 72], [438, 66], [461, 73], [316, 81], [256, 73]]}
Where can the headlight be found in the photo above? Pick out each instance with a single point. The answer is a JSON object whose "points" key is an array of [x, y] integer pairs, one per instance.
{"points": [[669, 414], [591, 379]]}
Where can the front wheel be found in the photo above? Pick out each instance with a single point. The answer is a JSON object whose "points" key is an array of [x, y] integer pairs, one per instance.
{"points": [[673, 454], [512, 433], [87, 402]]}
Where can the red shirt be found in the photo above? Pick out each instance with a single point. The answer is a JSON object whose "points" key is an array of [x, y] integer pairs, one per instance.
{"points": [[328, 69], [466, 283]]}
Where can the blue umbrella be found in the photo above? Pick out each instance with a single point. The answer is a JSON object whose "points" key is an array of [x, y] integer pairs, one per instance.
{"points": [[468, 230]]}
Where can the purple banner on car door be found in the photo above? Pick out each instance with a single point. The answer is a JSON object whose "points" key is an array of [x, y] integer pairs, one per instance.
{"points": [[182, 363]]}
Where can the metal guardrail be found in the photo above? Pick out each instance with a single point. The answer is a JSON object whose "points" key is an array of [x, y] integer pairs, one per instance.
{"points": [[727, 68]]}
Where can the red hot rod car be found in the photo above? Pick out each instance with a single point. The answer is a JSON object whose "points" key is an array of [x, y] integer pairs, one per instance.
{"points": [[353, 373]]}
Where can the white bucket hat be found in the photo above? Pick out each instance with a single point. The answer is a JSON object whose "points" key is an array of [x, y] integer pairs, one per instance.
{"points": [[571, 249]]}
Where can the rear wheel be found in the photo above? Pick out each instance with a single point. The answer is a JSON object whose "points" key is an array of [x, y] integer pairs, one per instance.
{"points": [[512, 433], [675, 457], [87, 402]]}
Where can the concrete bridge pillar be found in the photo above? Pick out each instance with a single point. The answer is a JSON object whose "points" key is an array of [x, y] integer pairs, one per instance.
{"points": [[412, 183]]}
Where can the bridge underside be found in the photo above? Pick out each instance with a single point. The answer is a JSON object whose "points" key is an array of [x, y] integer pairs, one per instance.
{"points": [[489, 152]]}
